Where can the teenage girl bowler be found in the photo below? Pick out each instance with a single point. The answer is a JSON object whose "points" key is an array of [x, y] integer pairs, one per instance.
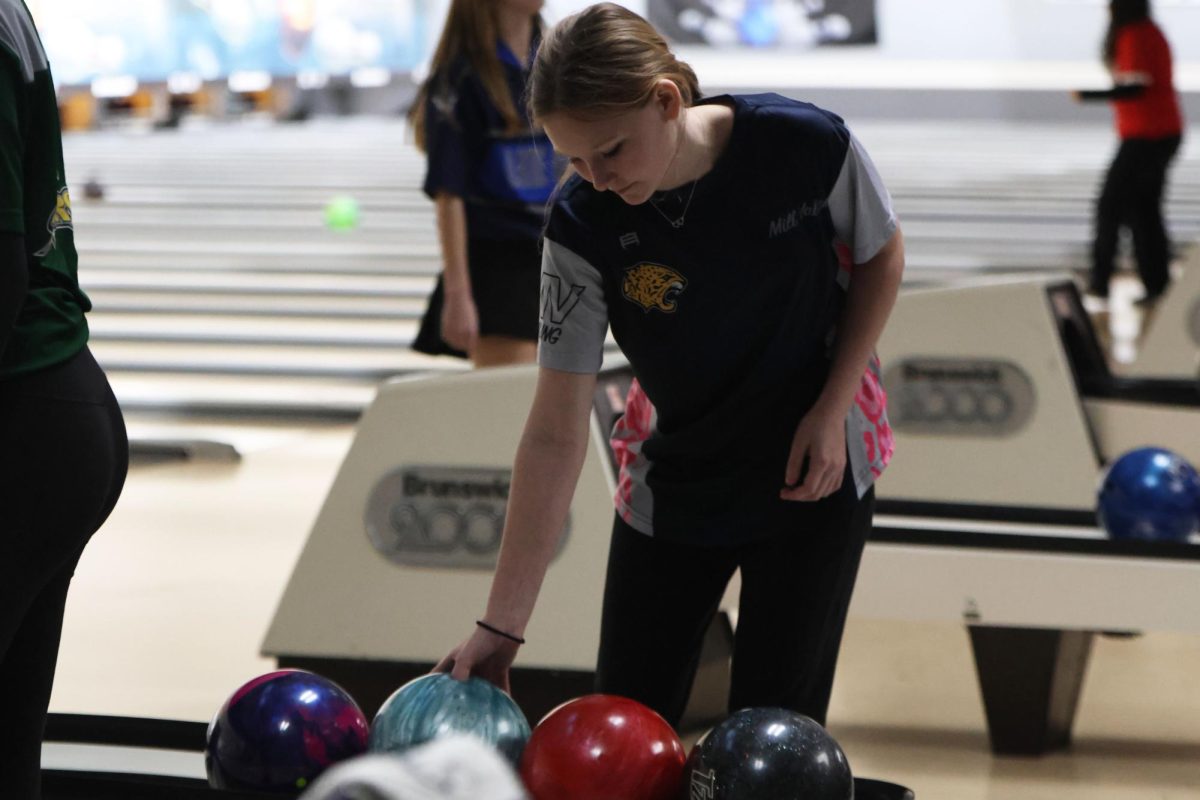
{"points": [[745, 254]]}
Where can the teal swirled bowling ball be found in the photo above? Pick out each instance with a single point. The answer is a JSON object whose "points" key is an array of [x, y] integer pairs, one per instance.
{"points": [[435, 706], [342, 213]]}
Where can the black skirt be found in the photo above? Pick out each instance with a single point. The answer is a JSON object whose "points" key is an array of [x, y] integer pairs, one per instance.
{"points": [[505, 284]]}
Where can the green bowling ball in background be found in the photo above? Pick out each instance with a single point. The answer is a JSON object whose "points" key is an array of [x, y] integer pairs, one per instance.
{"points": [[342, 213]]}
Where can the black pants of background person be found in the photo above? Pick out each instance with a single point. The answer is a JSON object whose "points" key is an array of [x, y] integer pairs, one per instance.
{"points": [[1133, 197], [660, 598], [506, 287], [63, 459]]}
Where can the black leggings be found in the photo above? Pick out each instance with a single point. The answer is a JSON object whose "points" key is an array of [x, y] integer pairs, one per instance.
{"points": [[63, 459], [1133, 197], [660, 598]]}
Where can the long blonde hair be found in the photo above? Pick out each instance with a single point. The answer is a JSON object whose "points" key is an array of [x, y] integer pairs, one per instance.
{"points": [[604, 59], [471, 30]]}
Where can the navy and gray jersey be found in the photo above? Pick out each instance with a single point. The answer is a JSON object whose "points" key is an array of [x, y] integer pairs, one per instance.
{"points": [[504, 177], [728, 320]]}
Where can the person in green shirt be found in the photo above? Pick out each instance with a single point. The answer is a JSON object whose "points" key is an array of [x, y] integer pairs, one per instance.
{"points": [[63, 448]]}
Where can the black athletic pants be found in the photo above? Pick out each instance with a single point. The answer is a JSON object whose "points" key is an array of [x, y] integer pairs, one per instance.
{"points": [[660, 598], [1133, 197], [63, 459]]}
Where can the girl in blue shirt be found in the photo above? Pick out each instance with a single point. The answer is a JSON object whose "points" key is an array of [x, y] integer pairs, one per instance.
{"points": [[489, 174]]}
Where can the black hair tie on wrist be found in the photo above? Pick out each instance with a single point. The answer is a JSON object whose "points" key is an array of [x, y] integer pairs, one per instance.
{"points": [[499, 632]]}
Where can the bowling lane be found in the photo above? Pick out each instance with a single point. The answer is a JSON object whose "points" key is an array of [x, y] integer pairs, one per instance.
{"points": [[384, 219], [252, 359], [224, 211], [257, 283], [317, 306], [298, 397], [136, 194], [364, 334], [249, 249]]}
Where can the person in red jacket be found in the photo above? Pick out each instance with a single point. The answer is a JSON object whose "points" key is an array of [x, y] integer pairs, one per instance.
{"points": [[1150, 128]]}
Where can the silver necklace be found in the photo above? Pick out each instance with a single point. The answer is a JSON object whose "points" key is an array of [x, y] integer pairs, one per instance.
{"points": [[678, 221]]}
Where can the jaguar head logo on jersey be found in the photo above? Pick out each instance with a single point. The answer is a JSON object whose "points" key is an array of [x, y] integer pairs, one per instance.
{"points": [[60, 219], [653, 286]]}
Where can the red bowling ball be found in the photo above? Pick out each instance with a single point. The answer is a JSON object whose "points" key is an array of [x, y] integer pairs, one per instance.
{"points": [[602, 747]]}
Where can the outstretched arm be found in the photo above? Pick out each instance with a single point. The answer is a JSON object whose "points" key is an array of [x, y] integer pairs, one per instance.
{"points": [[1120, 91], [1130, 73], [548, 462]]}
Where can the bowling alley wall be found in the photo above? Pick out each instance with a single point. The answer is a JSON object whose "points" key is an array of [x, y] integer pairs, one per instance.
{"points": [[993, 58]]}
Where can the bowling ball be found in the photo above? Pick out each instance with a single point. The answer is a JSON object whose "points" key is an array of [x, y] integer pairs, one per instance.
{"points": [[456, 767], [279, 731], [1150, 494], [434, 706], [341, 213], [601, 747], [768, 754]]}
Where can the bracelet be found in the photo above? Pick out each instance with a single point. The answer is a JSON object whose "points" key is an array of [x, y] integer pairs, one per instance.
{"points": [[499, 632]]}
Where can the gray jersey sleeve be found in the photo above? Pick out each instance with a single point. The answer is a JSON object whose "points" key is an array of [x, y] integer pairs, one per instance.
{"points": [[574, 315], [861, 206]]}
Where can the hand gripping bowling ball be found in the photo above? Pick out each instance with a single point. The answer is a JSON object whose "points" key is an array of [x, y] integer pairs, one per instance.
{"points": [[768, 754], [433, 706], [1150, 494], [279, 731], [603, 747]]}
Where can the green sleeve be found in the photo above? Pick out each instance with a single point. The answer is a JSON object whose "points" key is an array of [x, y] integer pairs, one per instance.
{"points": [[12, 145]]}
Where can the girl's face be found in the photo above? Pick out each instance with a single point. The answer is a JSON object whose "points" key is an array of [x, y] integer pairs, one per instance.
{"points": [[628, 153]]}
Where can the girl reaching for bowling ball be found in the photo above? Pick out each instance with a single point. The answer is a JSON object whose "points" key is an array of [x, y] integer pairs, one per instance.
{"points": [[745, 253]]}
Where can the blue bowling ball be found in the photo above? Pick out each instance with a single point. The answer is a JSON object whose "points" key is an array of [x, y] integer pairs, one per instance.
{"points": [[281, 730], [434, 706], [1150, 494], [768, 754]]}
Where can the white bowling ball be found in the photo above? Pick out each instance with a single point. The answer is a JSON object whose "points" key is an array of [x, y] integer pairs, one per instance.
{"points": [[452, 768]]}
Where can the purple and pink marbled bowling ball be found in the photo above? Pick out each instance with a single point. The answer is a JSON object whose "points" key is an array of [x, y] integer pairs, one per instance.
{"points": [[281, 730]]}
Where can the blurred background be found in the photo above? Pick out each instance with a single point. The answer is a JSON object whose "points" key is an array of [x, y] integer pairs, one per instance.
{"points": [[252, 233]]}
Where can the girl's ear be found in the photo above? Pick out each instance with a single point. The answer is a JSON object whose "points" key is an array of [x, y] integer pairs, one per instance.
{"points": [[668, 98]]}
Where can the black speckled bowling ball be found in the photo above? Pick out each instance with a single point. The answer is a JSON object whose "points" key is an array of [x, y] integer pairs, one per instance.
{"points": [[768, 754]]}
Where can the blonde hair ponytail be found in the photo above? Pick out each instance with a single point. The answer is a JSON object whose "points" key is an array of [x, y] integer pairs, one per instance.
{"points": [[602, 60]]}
